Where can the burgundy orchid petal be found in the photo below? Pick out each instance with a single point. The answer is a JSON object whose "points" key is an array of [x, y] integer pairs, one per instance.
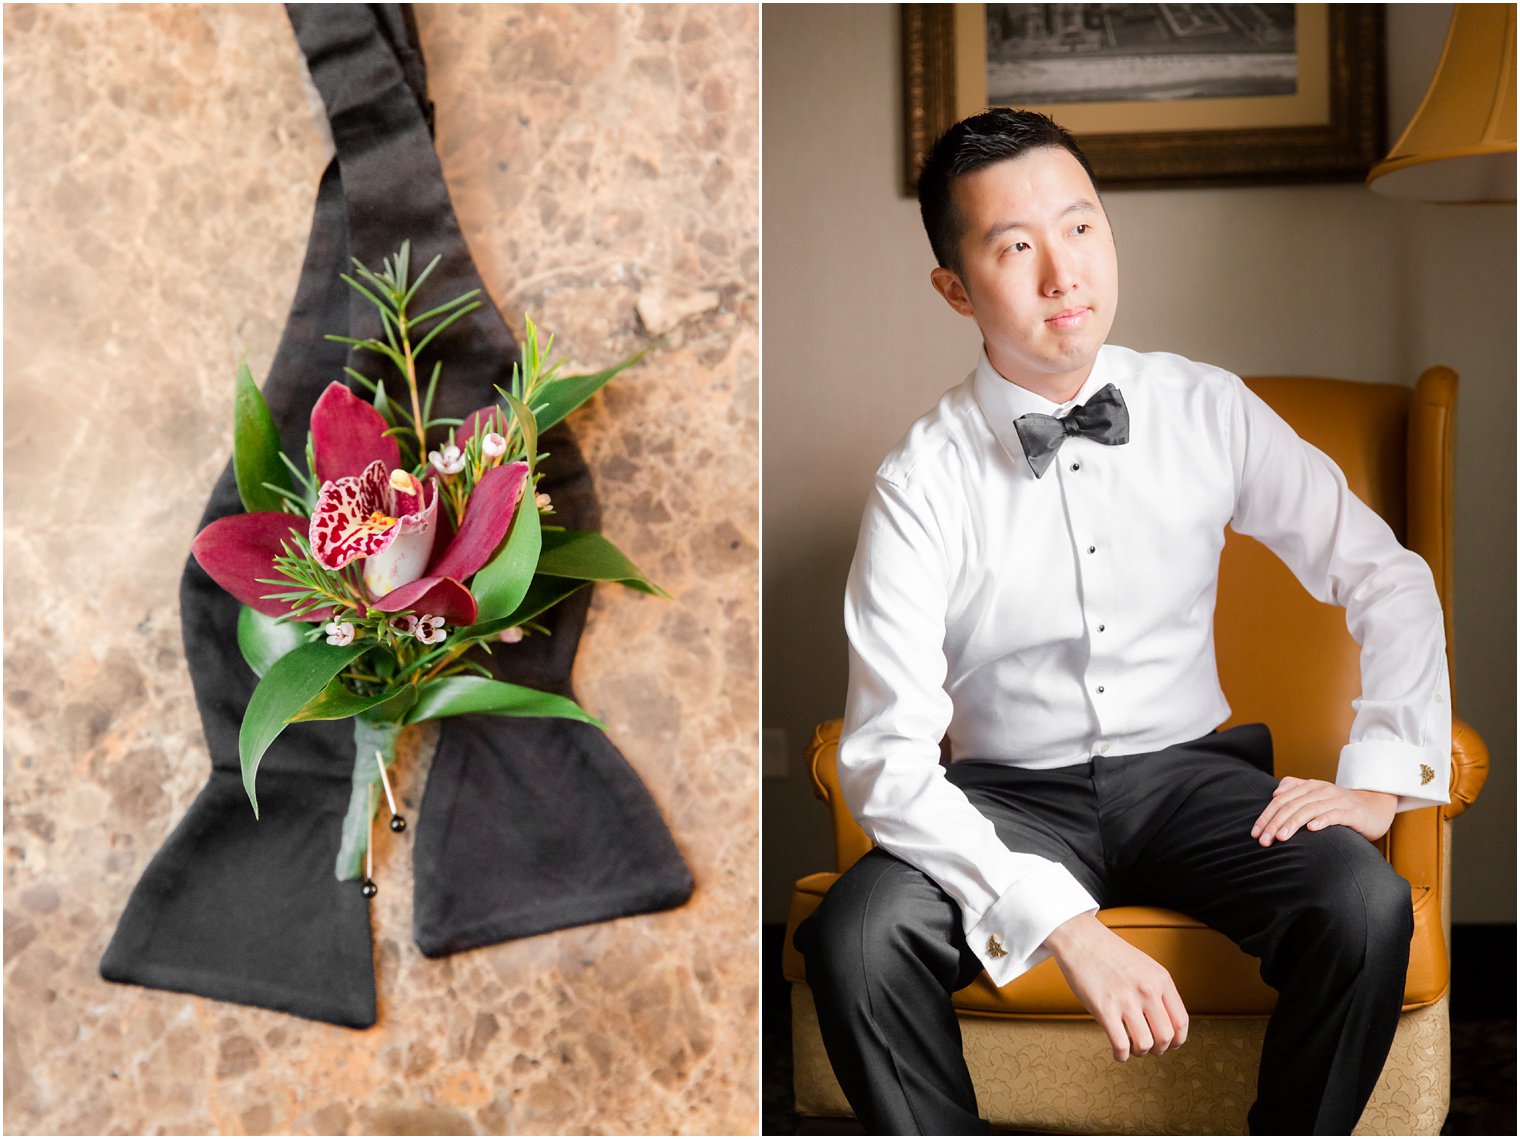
{"points": [[493, 502], [439, 596], [348, 434], [238, 550]]}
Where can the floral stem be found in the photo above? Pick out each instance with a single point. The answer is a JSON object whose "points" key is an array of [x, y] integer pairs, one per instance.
{"points": [[448, 659], [411, 383], [368, 738]]}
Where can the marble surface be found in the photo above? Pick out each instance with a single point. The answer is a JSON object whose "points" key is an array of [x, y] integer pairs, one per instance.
{"points": [[160, 166]]}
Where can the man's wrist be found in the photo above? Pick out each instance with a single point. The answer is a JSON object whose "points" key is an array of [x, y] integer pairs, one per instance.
{"points": [[1072, 933], [1382, 806]]}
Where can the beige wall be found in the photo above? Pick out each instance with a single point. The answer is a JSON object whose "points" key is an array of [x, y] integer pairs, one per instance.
{"points": [[1332, 280]]}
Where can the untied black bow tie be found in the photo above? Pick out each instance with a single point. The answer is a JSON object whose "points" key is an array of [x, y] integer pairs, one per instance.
{"points": [[1103, 419]]}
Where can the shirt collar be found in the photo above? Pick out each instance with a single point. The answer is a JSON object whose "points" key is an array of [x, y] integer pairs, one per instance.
{"points": [[1002, 401]]}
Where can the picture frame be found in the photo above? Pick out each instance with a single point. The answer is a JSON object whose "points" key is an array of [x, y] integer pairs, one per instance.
{"points": [[1332, 129]]}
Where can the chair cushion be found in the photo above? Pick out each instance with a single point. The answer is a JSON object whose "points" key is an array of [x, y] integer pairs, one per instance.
{"points": [[1057, 1076], [1213, 976]]}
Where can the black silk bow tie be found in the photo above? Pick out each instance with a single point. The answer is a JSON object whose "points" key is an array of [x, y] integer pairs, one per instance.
{"points": [[1103, 419], [527, 824]]}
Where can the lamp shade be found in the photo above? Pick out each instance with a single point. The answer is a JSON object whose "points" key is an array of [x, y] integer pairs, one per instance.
{"points": [[1460, 145]]}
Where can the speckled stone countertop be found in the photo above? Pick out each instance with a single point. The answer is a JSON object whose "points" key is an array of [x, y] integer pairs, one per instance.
{"points": [[160, 168]]}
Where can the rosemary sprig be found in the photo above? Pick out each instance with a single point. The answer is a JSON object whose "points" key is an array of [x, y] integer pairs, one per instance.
{"points": [[310, 585], [391, 294]]}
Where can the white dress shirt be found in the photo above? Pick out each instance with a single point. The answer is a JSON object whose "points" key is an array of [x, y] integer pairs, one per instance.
{"points": [[1041, 622]]}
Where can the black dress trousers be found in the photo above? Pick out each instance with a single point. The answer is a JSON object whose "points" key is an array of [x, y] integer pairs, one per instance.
{"points": [[1328, 917]]}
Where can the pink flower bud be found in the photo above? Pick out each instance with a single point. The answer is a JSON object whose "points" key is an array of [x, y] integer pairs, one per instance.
{"points": [[493, 444], [510, 636], [448, 461], [340, 632]]}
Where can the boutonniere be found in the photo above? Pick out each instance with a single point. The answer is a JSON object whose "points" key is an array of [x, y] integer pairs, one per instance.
{"points": [[379, 575]]}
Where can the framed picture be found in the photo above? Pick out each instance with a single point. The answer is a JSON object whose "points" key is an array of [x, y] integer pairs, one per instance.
{"points": [[1161, 94]]}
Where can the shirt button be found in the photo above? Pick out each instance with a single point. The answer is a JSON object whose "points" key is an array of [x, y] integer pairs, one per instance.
{"points": [[1102, 749], [1092, 549], [1100, 688], [1076, 466], [1102, 627]]}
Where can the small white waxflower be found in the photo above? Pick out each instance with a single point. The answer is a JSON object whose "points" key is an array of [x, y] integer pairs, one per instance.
{"points": [[340, 632], [493, 444], [448, 461], [543, 501], [406, 625], [430, 629], [510, 636]]}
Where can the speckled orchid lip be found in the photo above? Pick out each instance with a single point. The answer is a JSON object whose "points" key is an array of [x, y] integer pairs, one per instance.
{"points": [[363, 516]]}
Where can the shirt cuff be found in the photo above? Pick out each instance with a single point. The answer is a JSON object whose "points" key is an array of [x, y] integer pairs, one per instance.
{"points": [[1010, 936], [1417, 775]]}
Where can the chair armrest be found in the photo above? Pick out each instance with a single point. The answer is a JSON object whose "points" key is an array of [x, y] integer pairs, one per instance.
{"points": [[1469, 767], [850, 842], [822, 754], [1412, 843]]}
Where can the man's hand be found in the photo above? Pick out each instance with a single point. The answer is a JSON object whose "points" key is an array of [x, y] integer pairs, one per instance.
{"points": [[1315, 804], [1129, 994]]}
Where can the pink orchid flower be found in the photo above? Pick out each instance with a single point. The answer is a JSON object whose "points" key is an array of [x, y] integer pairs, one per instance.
{"points": [[369, 509]]}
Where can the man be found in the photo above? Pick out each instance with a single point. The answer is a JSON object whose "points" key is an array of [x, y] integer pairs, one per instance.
{"points": [[1035, 579]]}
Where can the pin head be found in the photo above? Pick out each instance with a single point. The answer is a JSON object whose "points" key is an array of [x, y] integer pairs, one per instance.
{"points": [[398, 824], [369, 889]]}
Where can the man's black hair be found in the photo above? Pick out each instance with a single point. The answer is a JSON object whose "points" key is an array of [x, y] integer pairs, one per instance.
{"points": [[968, 146]]}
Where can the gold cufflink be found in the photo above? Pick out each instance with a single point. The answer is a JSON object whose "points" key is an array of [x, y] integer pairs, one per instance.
{"points": [[995, 947], [1426, 775]]}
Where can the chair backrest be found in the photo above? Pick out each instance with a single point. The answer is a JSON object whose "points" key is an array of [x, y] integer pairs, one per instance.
{"points": [[1284, 658]]}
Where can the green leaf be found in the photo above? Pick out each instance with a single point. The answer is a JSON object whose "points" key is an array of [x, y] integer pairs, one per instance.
{"points": [[255, 445], [502, 582], [543, 593], [336, 702], [447, 306], [459, 695], [367, 383], [371, 345], [590, 557], [388, 324], [376, 301], [289, 496], [558, 398], [422, 276], [432, 389], [265, 640], [290, 682], [441, 325], [529, 427]]}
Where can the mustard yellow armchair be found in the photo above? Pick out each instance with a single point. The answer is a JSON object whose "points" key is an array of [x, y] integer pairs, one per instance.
{"points": [[1038, 1061]]}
